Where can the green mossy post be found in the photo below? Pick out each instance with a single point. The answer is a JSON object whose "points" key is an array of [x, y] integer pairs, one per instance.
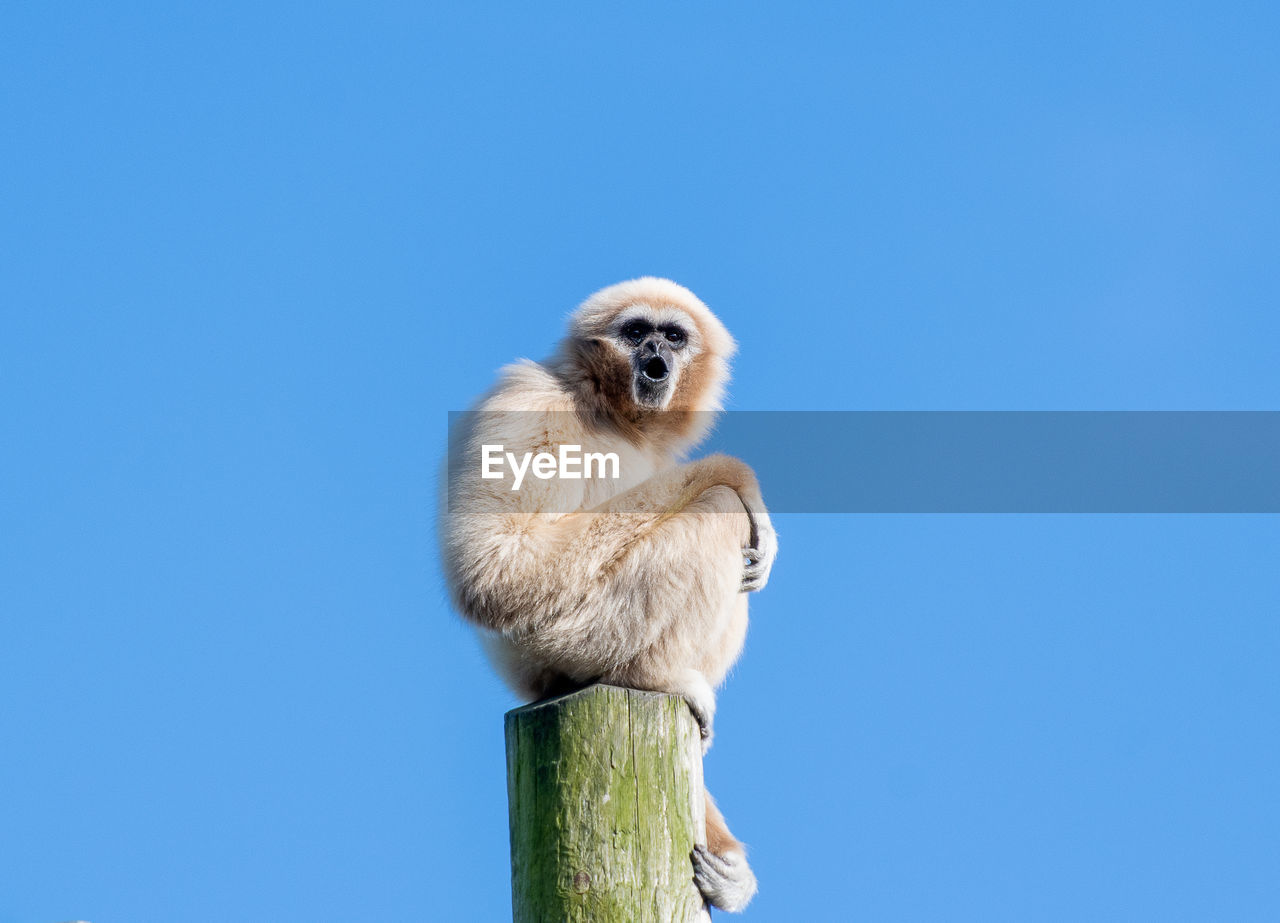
{"points": [[605, 795]]}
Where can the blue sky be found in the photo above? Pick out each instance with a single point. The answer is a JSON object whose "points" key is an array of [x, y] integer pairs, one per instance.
{"points": [[251, 255]]}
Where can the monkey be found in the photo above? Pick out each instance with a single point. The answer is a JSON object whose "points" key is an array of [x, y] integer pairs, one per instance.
{"points": [[638, 580]]}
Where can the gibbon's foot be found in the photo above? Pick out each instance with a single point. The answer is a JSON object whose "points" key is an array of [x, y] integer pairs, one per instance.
{"points": [[704, 720], [701, 699], [726, 881]]}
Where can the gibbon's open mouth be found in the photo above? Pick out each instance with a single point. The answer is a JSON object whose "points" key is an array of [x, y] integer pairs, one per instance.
{"points": [[655, 369]]}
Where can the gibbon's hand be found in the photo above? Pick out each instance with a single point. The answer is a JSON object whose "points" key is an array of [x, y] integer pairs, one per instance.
{"points": [[757, 557]]}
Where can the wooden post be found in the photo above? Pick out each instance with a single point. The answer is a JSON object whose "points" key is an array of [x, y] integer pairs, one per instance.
{"points": [[606, 802]]}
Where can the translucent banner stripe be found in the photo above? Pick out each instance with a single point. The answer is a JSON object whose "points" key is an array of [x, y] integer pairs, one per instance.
{"points": [[984, 461]]}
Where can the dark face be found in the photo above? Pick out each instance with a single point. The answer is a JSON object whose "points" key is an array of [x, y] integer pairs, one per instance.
{"points": [[656, 352]]}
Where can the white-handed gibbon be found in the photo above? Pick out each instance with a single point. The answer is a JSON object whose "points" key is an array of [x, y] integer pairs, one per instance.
{"points": [[638, 580]]}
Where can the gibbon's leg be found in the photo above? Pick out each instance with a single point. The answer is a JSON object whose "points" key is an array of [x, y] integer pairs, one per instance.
{"points": [[720, 868], [625, 597], [718, 653], [693, 626], [722, 652]]}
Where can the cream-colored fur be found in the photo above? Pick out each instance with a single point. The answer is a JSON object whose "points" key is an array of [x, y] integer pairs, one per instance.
{"points": [[639, 581]]}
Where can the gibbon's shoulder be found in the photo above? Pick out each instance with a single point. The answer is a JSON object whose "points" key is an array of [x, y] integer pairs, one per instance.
{"points": [[527, 386]]}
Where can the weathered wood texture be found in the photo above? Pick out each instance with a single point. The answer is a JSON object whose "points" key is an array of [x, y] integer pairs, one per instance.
{"points": [[605, 794]]}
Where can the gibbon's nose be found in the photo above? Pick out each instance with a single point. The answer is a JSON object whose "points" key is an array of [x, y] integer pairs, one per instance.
{"points": [[655, 368], [655, 363]]}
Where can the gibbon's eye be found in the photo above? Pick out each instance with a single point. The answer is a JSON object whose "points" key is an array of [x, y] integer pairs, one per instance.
{"points": [[635, 331], [675, 336]]}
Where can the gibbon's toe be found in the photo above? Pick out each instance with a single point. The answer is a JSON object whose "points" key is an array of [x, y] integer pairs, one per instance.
{"points": [[707, 734], [726, 881], [693, 687]]}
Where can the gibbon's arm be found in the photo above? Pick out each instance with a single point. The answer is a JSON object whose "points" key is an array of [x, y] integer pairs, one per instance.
{"points": [[679, 536], [677, 488], [670, 492], [674, 489]]}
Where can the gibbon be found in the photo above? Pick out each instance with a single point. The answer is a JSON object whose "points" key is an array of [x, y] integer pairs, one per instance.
{"points": [[638, 580]]}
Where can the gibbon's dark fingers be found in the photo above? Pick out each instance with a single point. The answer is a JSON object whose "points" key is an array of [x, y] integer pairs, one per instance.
{"points": [[752, 571], [758, 556]]}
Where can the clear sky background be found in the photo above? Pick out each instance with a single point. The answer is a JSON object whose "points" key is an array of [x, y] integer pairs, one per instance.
{"points": [[251, 254]]}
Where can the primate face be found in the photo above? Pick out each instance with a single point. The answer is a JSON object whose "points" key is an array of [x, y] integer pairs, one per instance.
{"points": [[659, 345], [646, 345]]}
